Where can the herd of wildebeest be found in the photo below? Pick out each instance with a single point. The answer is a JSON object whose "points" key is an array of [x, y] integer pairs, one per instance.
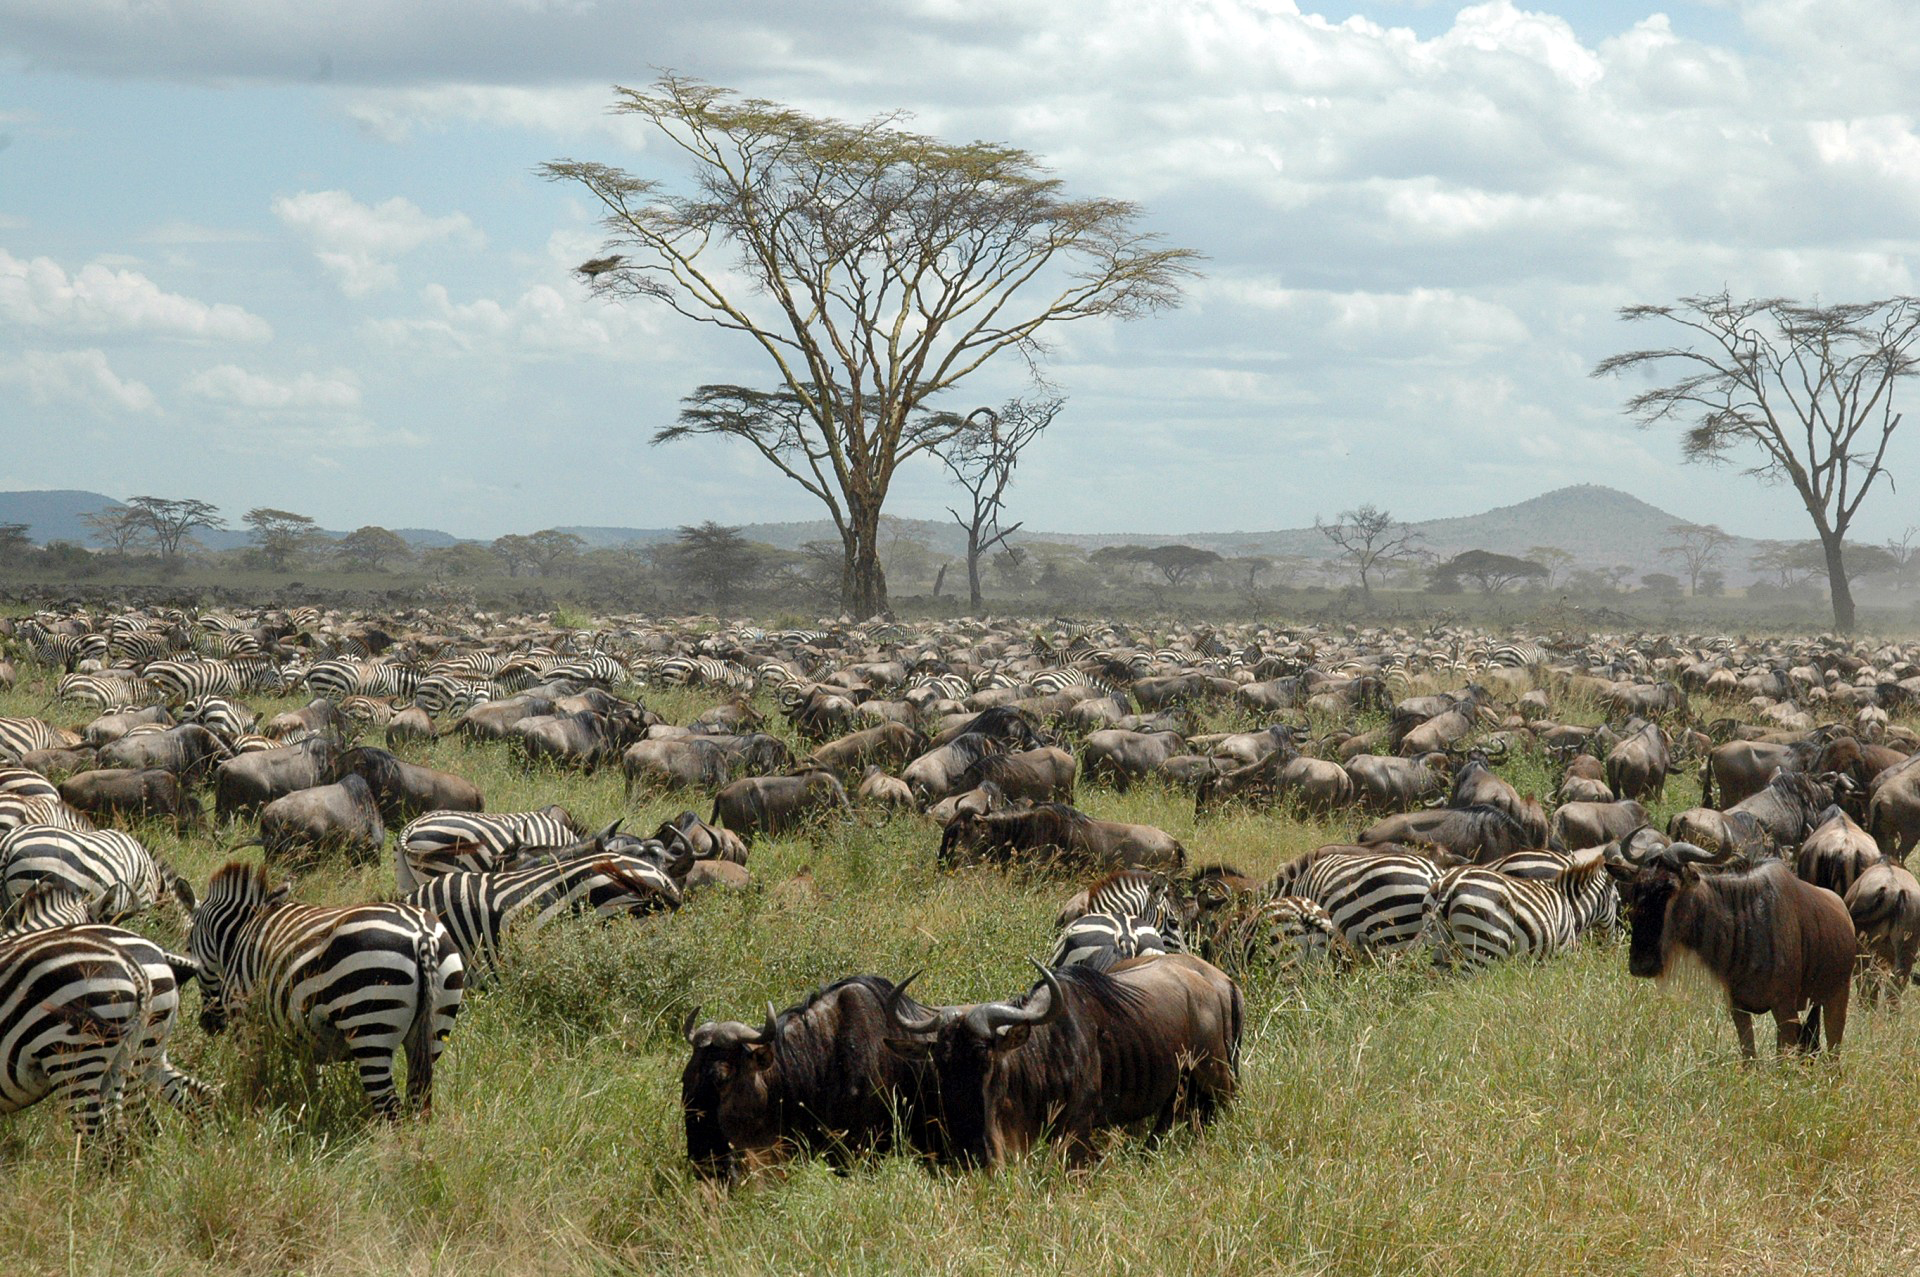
{"points": [[1788, 883]]}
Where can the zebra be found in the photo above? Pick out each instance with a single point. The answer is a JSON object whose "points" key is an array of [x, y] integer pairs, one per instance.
{"points": [[595, 667], [478, 908], [16, 810], [1141, 895], [51, 906], [19, 736], [108, 691], [442, 695], [1517, 655], [106, 867], [224, 718], [354, 981], [1378, 900], [1479, 915], [702, 671], [1101, 939], [335, 679], [1290, 932], [193, 680], [444, 842], [23, 782]]}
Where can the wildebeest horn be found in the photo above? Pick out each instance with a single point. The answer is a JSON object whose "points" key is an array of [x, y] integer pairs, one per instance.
{"points": [[1680, 854], [771, 1030], [923, 1025], [686, 1028], [999, 1015]]}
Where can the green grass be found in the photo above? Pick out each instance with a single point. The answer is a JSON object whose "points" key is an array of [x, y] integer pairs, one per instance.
{"points": [[1556, 1118]]}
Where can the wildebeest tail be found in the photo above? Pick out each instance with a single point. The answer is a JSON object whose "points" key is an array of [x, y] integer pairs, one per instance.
{"points": [[1706, 780], [1810, 1030]]}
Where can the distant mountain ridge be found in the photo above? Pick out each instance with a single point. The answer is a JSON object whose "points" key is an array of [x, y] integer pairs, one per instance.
{"points": [[1599, 526]]}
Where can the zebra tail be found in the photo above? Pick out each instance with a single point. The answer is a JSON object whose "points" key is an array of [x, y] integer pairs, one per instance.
{"points": [[125, 1058], [419, 1036]]}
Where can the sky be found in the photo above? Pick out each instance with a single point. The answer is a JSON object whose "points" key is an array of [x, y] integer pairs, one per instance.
{"points": [[300, 255]]}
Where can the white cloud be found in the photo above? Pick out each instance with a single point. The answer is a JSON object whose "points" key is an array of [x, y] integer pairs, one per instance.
{"points": [[38, 293], [76, 376], [357, 243], [543, 322], [235, 387]]}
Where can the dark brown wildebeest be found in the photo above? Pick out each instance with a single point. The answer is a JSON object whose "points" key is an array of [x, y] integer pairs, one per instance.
{"points": [[188, 751], [1884, 902], [1585, 781], [318, 716], [977, 802], [1778, 818], [684, 762], [1637, 767], [410, 724], [877, 789], [136, 794], [1388, 783], [1038, 775], [1774, 943], [494, 720], [1054, 834], [1441, 732], [825, 1077], [702, 841], [1013, 729], [58, 764], [937, 773], [1481, 834], [1743, 768], [1151, 1040], [1579, 826], [405, 790], [1476, 784], [249, 781], [338, 817], [1836, 852], [775, 804]]}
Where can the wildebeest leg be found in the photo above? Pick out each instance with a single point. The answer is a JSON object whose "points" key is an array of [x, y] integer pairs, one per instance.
{"points": [[1788, 1036], [1836, 1012], [1743, 1026]]}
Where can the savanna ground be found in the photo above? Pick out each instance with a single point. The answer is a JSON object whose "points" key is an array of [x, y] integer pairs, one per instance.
{"points": [[1538, 1118]]}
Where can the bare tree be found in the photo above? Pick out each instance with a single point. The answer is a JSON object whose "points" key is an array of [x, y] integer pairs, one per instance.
{"points": [[981, 456], [880, 267], [1370, 540], [118, 529], [1556, 561], [1696, 548], [1809, 389]]}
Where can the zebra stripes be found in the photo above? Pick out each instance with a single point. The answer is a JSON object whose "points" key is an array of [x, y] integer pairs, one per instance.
{"points": [[1100, 939], [479, 908], [1286, 932], [17, 810], [364, 982], [1141, 895], [19, 736], [443, 842], [1480, 915], [1378, 900], [107, 868], [442, 695], [195, 680]]}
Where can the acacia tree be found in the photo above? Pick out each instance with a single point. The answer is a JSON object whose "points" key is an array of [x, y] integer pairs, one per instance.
{"points": [[881, 267], [1491, 571], [117, 529], [169, 522], [1370, 540], [1696, 548], [369, 548], [981, 456], [281, 535], [1805, 390], [714, 558]]}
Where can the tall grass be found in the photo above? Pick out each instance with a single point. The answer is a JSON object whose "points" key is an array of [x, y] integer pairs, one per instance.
{"points": [[1539, 1118]]}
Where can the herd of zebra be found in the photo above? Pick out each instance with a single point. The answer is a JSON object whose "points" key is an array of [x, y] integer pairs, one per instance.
{"points": [[964, 724]]}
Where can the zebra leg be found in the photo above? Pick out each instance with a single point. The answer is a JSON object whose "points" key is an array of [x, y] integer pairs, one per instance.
{"points": [[185, 1093], [374, 1057]]}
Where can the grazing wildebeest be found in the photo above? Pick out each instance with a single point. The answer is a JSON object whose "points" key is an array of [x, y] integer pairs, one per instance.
{"points": [[889, 744], [1777, 818], [138, 794], [704, 841], [342, 816], [1388, 783], [405, 790], [1893, 808], [978, 802], [1743, 768], [1884, 902], [585, 739], [1054, 834], [1836, 852], [878, 789], [1578, 826], [1122, 757], [1480, 833], [250, 781], [494, 720], [318, 716], [1637, 767], [188, 751], [1152, 1039], [1476, 784], [817, 1078], [1313, 784], [1042, 775], [1773, 942], [775, 804], [108, 728], [1585, 781]]}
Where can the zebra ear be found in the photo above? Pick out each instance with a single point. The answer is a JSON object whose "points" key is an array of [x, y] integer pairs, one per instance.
{"points": [[280, 893]]}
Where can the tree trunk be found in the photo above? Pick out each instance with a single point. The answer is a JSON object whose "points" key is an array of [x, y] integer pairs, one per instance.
{"points": [[1837, 583], [973, 571], [864, 581]]}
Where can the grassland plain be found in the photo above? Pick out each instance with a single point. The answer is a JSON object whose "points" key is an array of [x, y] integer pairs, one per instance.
{"points": [[1540, 1118]]}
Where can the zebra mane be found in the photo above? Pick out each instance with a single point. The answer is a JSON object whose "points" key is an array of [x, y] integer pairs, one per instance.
{"points": [[241, 881]]}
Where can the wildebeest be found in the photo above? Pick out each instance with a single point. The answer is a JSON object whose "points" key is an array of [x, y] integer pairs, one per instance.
{"points": [[820, 1077], [705, 841], [318, 716], [878, 789], [1637, 766], [585, 739], [1742, 768], [405, 790], [937, 773], [1312, 784], [705, 761], [1776, 818], [1476, 784], [249, 781], [1122, 757], [1578, 826], [188, 751], [1041, 775], [775, 804], [1389, 783], [1835, 853], [1884, 902], [1893, 808], [1056, 834], [889, 744], [494, 720], [1774, 943], [343, 816], [138, 794], [1479, 833], [1151, 1040], [1585, 781], [111, 727]]}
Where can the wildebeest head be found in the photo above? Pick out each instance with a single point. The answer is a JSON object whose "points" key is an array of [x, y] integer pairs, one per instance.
{"points": [[731, 1119], [1646, 890]]}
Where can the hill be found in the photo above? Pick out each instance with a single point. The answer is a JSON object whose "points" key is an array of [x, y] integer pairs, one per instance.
{"points": [[1599, 526]]}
